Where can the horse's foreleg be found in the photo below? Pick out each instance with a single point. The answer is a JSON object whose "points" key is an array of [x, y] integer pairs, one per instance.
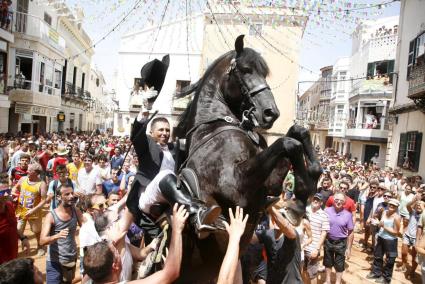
{"points": [[263, 164], [303, 135]]}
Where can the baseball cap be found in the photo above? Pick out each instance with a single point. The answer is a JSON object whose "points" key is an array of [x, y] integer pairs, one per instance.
{"points": [[318, 196]]}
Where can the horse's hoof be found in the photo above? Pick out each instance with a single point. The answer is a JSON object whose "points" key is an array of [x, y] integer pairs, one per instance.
{"points": [[293, 211]]}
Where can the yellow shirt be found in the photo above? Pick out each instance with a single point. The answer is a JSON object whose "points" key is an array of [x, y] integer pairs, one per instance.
{"points": [[29, 197], [73, 171]]}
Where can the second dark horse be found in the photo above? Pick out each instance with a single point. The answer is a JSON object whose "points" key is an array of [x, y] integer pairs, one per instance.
{"points": [[233, 163]]}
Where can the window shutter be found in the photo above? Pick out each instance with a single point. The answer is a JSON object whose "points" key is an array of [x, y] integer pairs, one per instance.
{"points": [[418, 143], [402, 149]]}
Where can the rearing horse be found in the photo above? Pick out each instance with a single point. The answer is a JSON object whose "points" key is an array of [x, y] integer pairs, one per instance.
{"points": [[233, 164]]}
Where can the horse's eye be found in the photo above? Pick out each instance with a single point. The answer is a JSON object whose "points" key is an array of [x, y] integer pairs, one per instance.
{"points": [[247, 70]]}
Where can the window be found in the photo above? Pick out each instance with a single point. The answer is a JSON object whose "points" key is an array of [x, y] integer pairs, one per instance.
{"points": [[47, 18], [255, 29], [378, 68], [416, 50], [58, 78], [409, 150], [181, 84]]}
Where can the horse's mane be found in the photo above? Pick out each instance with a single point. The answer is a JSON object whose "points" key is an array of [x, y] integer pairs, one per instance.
{"points": [[249, 57]]}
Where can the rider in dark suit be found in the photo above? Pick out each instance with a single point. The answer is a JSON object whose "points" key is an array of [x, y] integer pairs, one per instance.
{"points": [[153, 152]]}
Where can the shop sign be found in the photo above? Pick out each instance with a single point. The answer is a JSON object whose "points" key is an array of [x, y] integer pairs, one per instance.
{"points": [[36, 110]]}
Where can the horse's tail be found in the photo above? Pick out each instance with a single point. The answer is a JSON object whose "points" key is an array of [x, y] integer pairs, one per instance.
{"points": [[188, 90]]}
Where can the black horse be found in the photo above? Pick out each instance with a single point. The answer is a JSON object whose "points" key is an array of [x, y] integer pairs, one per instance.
{"points": [[233, 164]]}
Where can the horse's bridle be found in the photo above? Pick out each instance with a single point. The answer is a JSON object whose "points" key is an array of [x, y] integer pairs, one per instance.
{"points": [[246, 91], [247, 105]]}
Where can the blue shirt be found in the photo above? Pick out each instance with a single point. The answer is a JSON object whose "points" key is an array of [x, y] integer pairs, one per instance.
{"points": [[116, 161], [108, 186]]}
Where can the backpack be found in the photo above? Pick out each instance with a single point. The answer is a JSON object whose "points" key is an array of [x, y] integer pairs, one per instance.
{"points": [[55, 186]]}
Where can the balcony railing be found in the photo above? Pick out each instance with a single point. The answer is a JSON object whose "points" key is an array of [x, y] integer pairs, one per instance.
{"points": [[373, 87], [70, 89], [417, 81], [34, 26], [378, 126]]}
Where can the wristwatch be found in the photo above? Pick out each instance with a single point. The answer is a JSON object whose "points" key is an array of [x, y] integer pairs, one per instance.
{"points": [[23, 238]]}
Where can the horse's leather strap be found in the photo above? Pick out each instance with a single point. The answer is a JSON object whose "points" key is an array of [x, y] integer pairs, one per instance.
{"points": [[207, 138]]}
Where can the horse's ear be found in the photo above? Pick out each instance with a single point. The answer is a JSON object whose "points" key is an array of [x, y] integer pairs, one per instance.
{"points": [[239, 45]]}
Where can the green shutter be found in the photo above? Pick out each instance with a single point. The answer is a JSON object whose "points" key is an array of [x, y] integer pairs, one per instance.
{"points": [[417, 157], [402, 149]]}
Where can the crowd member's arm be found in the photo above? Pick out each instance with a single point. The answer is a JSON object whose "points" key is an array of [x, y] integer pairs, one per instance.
{"points": [[123, 183], [172, 264], [307, 230], [420, 246], [43, 193], [45, 239], [139, 254], [409, 205], [231, 258], [394, 229], [350, 237], [25, 243], [99, 188], [17, 187], [285, 227], [10, 179]]}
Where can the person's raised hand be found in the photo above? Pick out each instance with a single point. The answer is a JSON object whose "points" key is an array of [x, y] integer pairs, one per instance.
{"points": [[237, 223], [179, 217]]}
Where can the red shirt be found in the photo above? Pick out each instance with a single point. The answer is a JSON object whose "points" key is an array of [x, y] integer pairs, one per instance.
{"points": [[58, 161], [349, 204], [17, 173], [8, 234], [44, 160]]}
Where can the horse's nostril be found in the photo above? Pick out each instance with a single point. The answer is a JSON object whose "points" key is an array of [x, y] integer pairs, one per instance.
{"points": [[269, 114]]}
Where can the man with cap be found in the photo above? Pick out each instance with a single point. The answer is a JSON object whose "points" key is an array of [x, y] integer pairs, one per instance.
{"points": [[282, 246], [319, 222], [155, 154]]}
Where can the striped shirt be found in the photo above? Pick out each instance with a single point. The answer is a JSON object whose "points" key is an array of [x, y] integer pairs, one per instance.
{"points": [[319, 222]]}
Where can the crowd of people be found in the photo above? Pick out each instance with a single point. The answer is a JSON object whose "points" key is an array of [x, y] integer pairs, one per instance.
{"points": [[82, 182]]}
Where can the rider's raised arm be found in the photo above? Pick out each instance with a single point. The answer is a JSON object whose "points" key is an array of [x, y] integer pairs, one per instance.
{"points": [[138, 135]]}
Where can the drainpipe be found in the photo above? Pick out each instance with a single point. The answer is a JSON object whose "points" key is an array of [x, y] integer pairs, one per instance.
{"points": [[395, 86]]}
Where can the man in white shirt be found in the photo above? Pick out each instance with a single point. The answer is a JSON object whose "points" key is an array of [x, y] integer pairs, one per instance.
{"points": [[89, 180]]}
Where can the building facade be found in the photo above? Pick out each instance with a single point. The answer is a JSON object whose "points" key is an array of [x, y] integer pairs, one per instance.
{"points": [[314, 109], [408, 108], [6, 39], [338, 115], [36, 61], [211, 33], [372, 65]]}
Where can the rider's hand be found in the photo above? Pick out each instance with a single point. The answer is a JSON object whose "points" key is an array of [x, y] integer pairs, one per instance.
{"points": [[180, 216], [237, 223]]}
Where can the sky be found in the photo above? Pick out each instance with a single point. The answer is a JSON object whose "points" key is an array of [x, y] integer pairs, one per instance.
{"points": [[326, 38]]}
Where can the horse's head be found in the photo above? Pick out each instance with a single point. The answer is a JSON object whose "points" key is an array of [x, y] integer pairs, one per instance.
{"points": [[245, 88]]}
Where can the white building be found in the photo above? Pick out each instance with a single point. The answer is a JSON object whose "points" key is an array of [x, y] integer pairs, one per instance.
{"points": [[338, 115], [405, 149], [139, 47], [372, 64], [45, 78], [6, 38]]}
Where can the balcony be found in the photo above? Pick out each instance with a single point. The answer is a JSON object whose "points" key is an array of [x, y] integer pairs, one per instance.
{"points": [[34, 27], [75, 94], [30, 92], [417, 85], [376, 88], [6, 32], [363, 132]]}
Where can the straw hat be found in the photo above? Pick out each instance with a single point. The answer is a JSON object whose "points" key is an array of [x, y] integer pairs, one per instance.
{"points": [[62, 151]]}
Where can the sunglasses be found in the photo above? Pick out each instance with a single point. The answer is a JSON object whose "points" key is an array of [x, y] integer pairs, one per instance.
{"points": [[387, 196]]}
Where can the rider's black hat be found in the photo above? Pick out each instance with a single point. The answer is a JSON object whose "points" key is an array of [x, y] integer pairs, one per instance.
{"points": [[153, 73]]}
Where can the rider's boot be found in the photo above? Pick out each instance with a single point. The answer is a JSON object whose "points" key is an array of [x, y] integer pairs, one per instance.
{"points": [[201, 217]]}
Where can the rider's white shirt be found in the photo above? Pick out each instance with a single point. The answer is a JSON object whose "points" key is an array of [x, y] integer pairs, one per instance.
{"points": [[167, 160], [152, 192]]}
